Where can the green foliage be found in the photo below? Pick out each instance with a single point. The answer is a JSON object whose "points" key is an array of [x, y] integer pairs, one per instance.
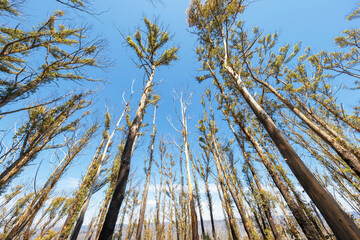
{"points": [[43, 126], [17, 47], [6, 7], [146, 50], [354, 14]]}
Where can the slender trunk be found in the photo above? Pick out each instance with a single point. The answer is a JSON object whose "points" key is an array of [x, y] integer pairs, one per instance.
{"points": [[175, 210], [257, 213], [194, 222], [163, 218], [198, 201], [336, 142], [233, 230], [303, 221], [162, 149], [42, 196], [119, 191], [78, 200], [320, 219], [208, 196], [289, 222], [330, 161], [80, 219], [131, 226], [265, 202], [291, 187], [124, 211], [183, 204], [237, 199], [148, 174], [170, 225], [99, 222], [232, 220], [92, 225], [342, 226]]}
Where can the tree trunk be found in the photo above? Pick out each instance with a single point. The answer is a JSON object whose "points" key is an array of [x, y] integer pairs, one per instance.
{"points": [[78, 200], [303, 221], [265, 202], [148, 174], [344, 153], [198, 200], [119, 191], [42, 196], [342, 226], [193, 215]]}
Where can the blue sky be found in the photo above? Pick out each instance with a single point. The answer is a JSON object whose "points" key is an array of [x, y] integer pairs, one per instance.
{"points": [[315, 23]]}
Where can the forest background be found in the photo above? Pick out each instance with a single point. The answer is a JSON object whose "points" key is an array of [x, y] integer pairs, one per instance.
{"points": [[315, 24]]}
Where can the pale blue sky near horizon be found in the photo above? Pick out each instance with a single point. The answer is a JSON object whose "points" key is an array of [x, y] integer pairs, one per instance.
{"points": [[314, 23]]}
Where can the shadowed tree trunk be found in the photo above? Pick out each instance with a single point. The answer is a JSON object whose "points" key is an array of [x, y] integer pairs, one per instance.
{"points": [[285, 191]]}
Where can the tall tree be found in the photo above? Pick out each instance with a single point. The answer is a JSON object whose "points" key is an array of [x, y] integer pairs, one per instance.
{"points": [[91, 178], [146, 52], [208, 129], [203, 168], [44, 125], [215, 22], [184, 104], [148, 174], [39, 199]]}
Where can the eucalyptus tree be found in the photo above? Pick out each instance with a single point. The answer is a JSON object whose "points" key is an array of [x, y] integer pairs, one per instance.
{"points": [[11, 215], [90, 180], [124, 212], [43, 126], [208, 130], [74, 148], [171, 182], [112, 178], [147, 169], [62, 51], [228, 109], [264, 200], [159, 189], [82, 191], [146, 53], [203, 168], [197, 197], [185, 148], [133, 204], [216, 24], [49, 218]]}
